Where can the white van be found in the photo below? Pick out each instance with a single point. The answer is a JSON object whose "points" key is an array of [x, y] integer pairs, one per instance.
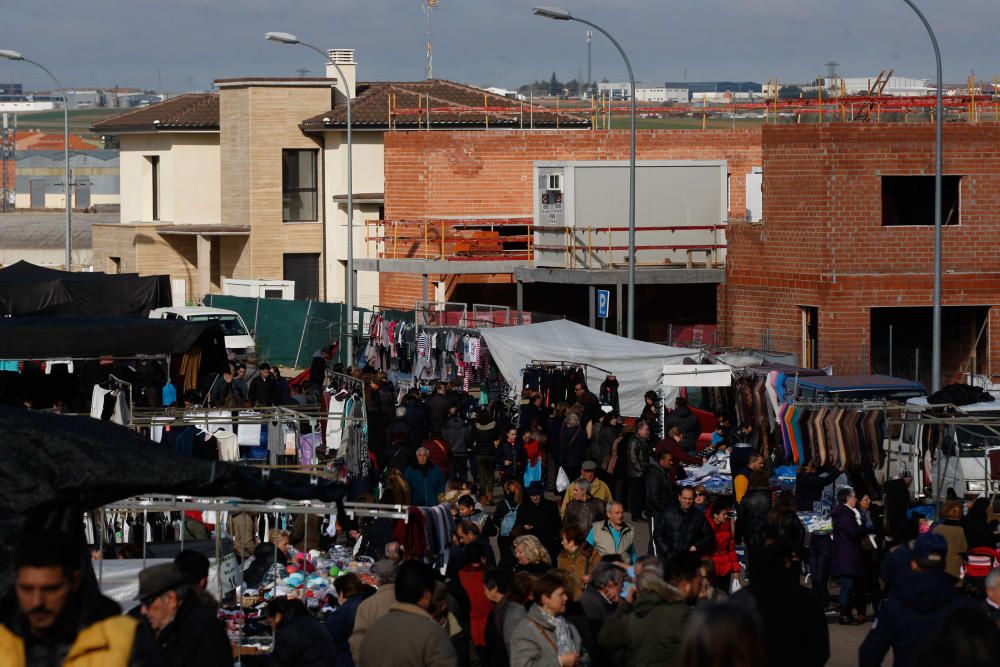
{"points": [[239, 339], [959, 463]]}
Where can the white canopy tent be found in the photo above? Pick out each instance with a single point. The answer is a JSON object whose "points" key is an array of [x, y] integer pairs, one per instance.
{"points": [[637, 365]]}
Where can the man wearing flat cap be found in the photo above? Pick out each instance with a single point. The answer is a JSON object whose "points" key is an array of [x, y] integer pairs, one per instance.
{"points": [[186, 632]]}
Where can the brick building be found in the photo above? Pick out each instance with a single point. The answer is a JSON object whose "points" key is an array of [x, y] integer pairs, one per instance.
{"points": [[472, 176], [841, 267]]}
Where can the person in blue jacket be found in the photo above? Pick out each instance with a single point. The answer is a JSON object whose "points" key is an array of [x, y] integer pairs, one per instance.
{"points": [[917, 605], [425, 479]]}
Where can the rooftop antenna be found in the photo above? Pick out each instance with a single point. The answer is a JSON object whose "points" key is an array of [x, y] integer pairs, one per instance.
{"points": [[429, 6], [302, 71]]}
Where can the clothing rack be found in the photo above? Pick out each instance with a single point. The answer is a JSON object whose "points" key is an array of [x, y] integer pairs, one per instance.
{"points": [[568, 364]]}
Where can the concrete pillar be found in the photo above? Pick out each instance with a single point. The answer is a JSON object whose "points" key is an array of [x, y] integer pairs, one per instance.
{"points": [[592, 295], [520, 301], [204, 245]]}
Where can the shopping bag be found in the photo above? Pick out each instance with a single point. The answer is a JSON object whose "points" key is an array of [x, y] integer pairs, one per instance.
{"points": [[562, 480], [533, 473], [735, 586]]}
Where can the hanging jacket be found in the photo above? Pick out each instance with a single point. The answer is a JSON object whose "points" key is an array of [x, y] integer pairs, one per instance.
{"points": [[609, 392]]}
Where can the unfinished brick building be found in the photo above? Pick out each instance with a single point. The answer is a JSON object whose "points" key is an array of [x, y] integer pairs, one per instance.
{"points": [[840, 270], [450, 179]]}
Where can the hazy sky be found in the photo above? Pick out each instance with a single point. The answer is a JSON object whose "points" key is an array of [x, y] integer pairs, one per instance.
{"points": [[185, 44]]}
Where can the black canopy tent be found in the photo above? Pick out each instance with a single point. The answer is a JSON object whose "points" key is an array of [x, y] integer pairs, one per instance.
{"points": [[93, 337], [97, 346], [54, 467], [27, 289]]}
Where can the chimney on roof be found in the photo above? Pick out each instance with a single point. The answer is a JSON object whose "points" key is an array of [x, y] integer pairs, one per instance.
{"points": [[345, 59]]}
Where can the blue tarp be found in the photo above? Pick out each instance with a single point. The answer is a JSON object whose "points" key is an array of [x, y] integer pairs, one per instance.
{"points": [[860, 385]]}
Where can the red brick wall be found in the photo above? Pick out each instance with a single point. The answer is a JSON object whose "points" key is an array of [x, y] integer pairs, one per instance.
{"points": [[476, 173], [822, 242]]}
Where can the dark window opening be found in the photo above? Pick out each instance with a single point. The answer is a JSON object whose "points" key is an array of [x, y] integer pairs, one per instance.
{"points": [[154, 170], [909, 200], [901, 341], [303, 270], [299, 198], [810, 336]]}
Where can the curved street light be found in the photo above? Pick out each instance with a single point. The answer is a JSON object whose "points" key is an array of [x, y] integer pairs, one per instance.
{"points": [[938, 160], [8, 54], [563, 15], [288, 38]]}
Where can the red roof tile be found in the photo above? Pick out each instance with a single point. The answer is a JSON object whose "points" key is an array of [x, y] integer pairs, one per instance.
{"points": [[452, 105], [194, 111]]}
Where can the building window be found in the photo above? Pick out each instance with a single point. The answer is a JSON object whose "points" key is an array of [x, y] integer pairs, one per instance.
{"points": [[909, 200], [154, 186], [303, 270], [298, 186]]}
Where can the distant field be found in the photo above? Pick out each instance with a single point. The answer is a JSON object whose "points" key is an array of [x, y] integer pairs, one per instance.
{"points": [[80, 120]]}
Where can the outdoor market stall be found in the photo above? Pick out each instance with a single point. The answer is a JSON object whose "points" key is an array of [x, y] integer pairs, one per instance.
{"points": [[636, 364]]}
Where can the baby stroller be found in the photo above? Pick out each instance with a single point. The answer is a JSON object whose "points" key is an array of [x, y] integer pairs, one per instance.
{"points": [[977, 564]]}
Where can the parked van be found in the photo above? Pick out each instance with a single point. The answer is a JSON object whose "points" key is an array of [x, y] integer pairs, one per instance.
{"points": [[239, 339], [959, 462]]}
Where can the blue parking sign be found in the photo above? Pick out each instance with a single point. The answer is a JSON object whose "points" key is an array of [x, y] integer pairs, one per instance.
{"points": [[603, 301]]}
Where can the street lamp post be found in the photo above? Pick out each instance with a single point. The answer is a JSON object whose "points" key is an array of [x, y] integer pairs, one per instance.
{"points": [[938, 159], [286, 38], [563, 15], [14, 55]]}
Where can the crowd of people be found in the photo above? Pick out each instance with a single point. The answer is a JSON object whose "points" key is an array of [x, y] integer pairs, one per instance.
{"points": [[576, 542]]}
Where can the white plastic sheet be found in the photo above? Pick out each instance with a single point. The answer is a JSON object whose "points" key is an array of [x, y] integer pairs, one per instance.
{"points": [[637, 364]]}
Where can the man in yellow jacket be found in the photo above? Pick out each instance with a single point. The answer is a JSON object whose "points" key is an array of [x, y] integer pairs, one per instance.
{"points": [[49, 622]]}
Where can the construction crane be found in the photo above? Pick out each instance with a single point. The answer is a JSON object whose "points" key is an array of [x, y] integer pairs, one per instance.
{"points": [[429, 6]]}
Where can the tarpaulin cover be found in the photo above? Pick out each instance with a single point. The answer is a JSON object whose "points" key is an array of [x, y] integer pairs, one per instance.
{"points": [[26, 289], [832, 384], [83, 337], [54, 467], [636, 364]]}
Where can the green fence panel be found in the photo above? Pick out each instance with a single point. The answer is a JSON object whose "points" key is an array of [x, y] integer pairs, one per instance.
{"points": [[288, 333]]}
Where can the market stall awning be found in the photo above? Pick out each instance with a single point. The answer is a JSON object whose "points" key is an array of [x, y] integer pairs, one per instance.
{"points": [[54, 467], [637, 364], [26, 289], [92, 337]]}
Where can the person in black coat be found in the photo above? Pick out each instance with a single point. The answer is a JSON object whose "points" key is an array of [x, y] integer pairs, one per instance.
{"points": [[682, 528], [540, 517], [976, 525], [809, 485], [791, 616], [751, 518], [299, 638], [340, 624], [682, 417], [264, 557], [437, 409], [897, 501]]}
